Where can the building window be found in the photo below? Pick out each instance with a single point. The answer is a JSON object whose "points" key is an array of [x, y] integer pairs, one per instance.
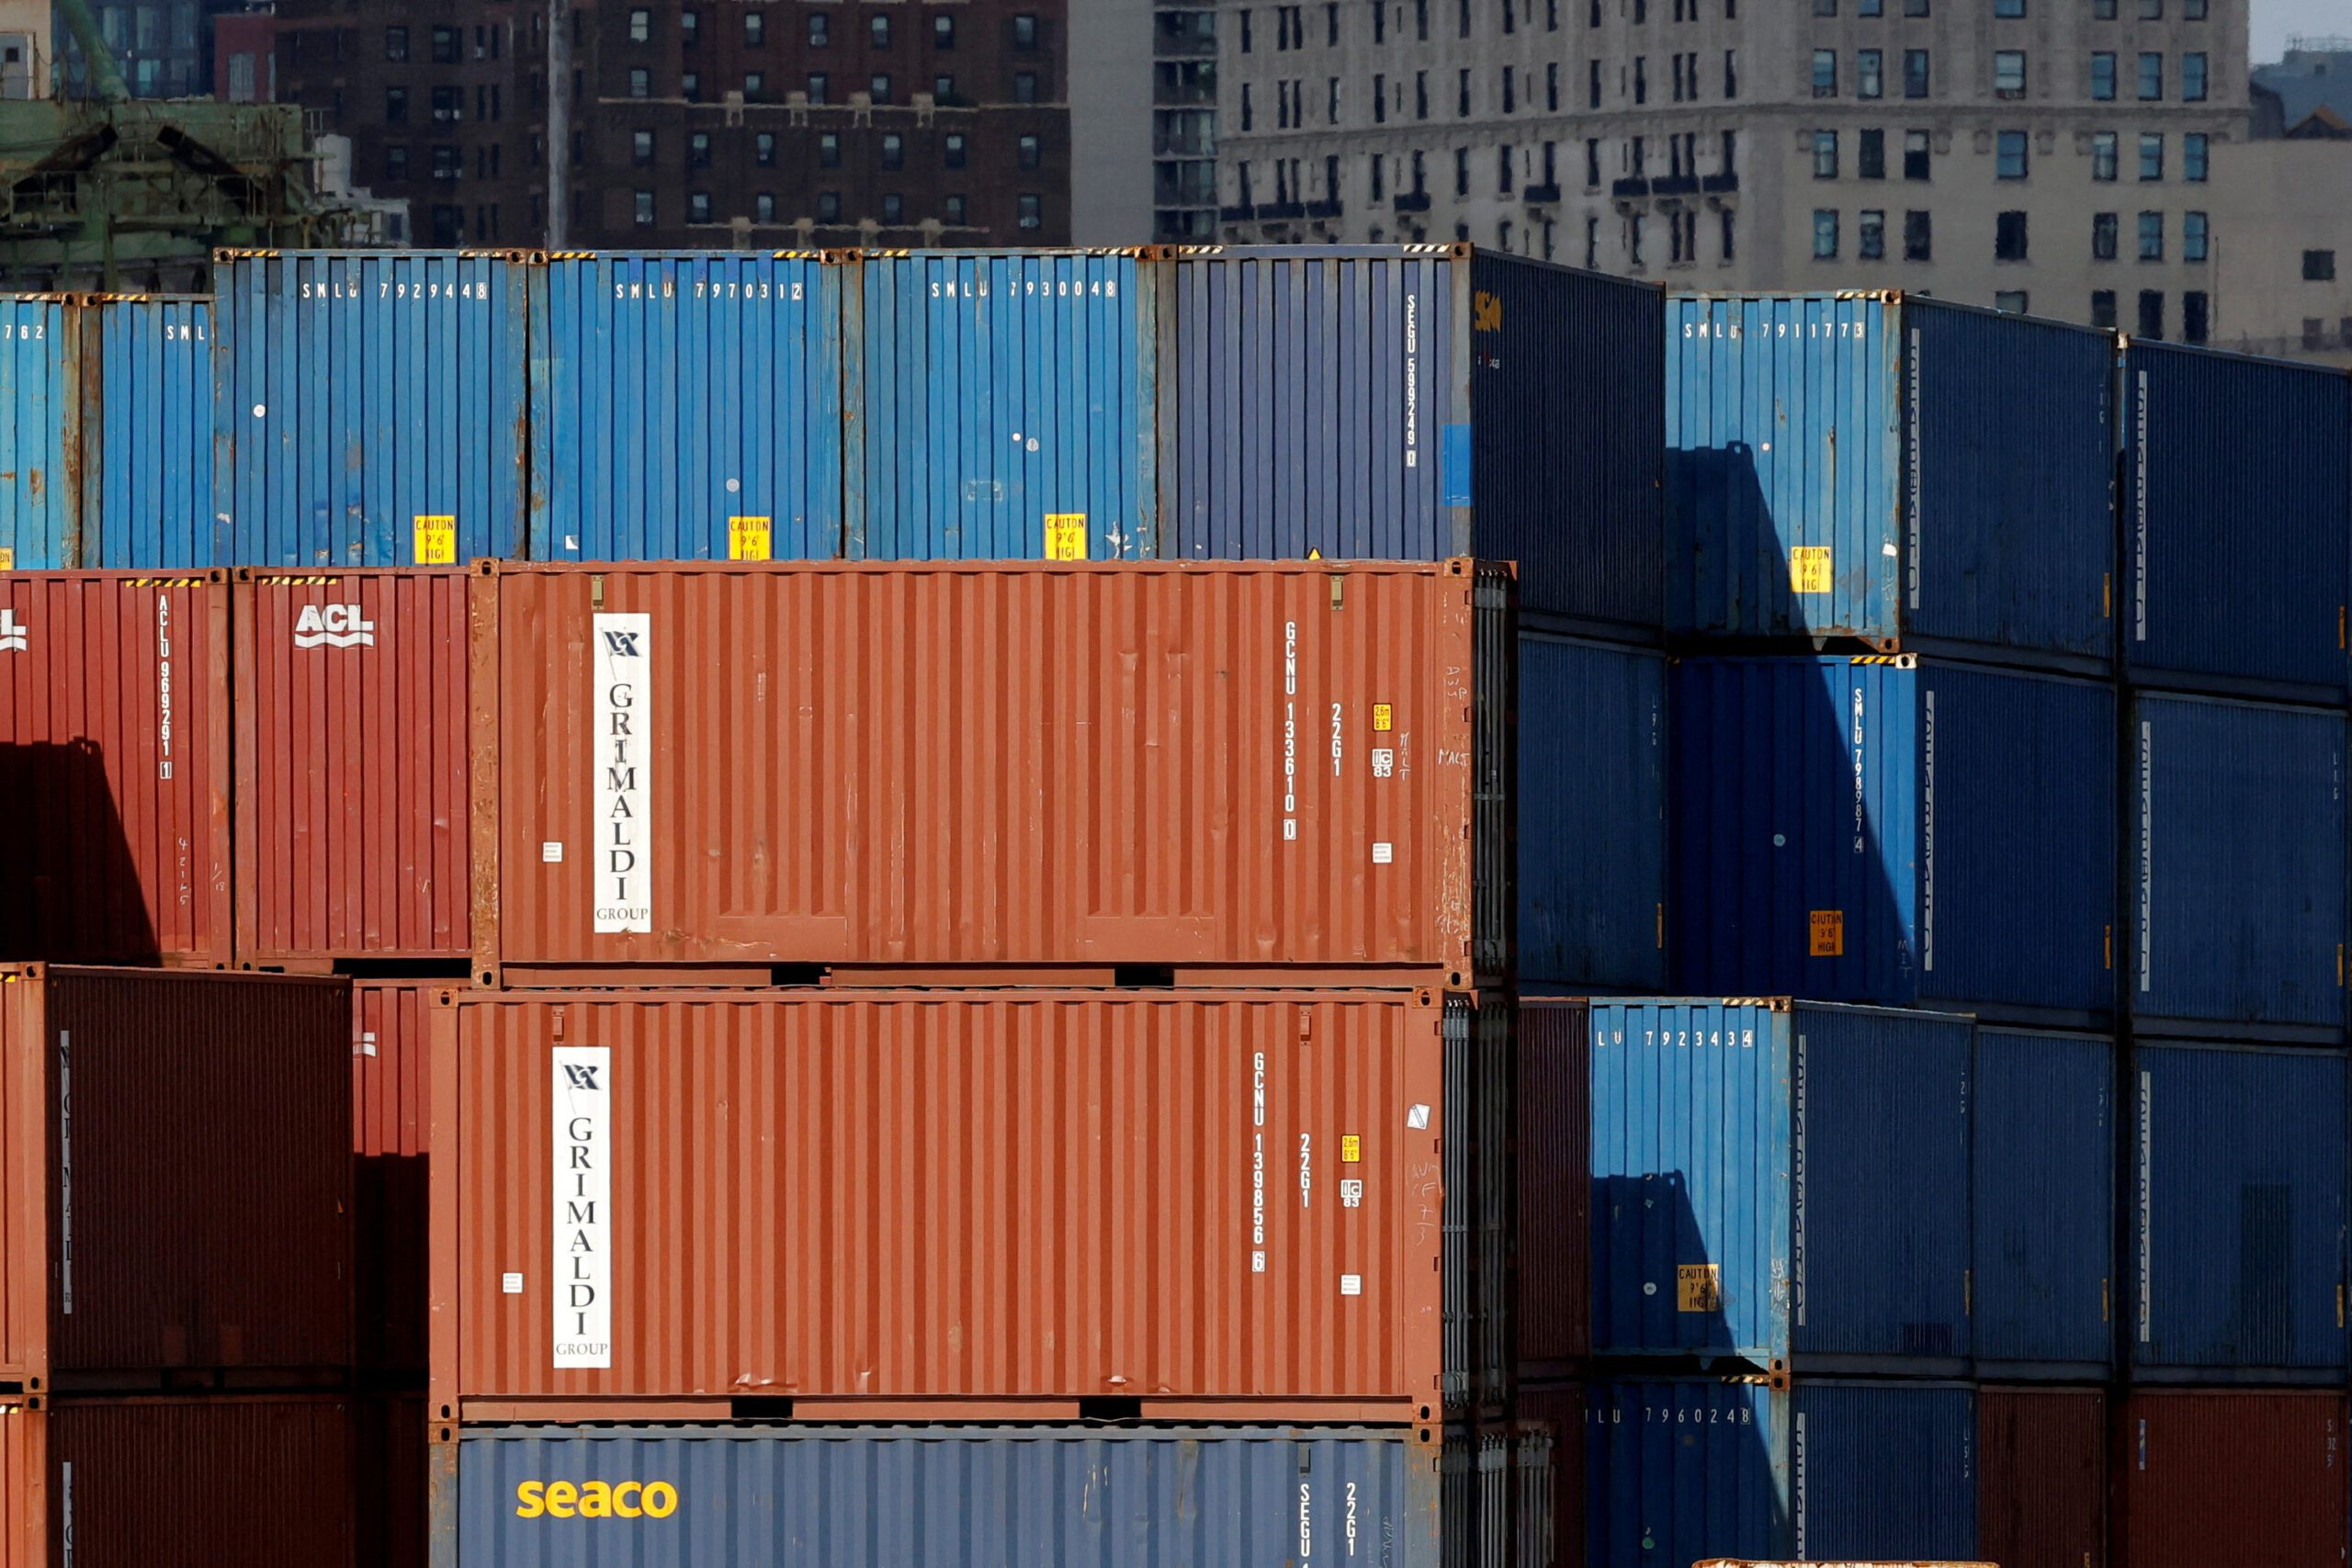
{"points": [[641, 26], [2008, 7], [894, 207], [1551, 86], [1730, 238], [1731, 73], [395, 44], [1824, 234], [2103, 10], [2192, 10], [2009, 154], [763, 148], [2152, 77], [2194, 236], [1915, 150], [1462, 171], [820, 29], [955, 210], [1024, 35], [2008, 236], [1868, 74], [1824, 72], [396, 161], [641, 149], [1510, 97], [2151, 236], [1918, 237], [951, 149], [699, 149], [1915, 73], [449, 104], [2009, 74], [1028, 208], [1869, 238], [2103, 76], [1025, 86], [1824, 154], [1824, 7], [1642, 78], [877, 26], [689, 30], [763, 207], [829, 206], [2151, 155], [1462, 94], [645, 209], [2192, 78], [699, 207], [1421, 98], [445, 44], [2319, 267], [894, 149], [2193, 157], [641, 81], [1591, 84], [2103, 155], [942, 32], [2103, 229], [2012, 300], [2196, 311], [819, 87], [829, 150], [1634, 240], [2152, 10], [2103, 309], [879, 86], [1029, 151], [396, 105], [1502, 170], [755, 28], [1869, 154], [2152, 314]]}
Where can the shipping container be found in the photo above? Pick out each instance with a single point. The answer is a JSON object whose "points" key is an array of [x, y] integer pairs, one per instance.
{"points": [[1681, 1470], [177, 1157], [182, 1482], [1889, 468], [1592, 812], [1560, 1410], [1159, 1200], [371, 406], [352, 802], [2254, 1480], [1001, 405], [750, 1496], [1895, 830], [2237, 820], [1781, 1184], [1552, 1176], [1371, 402], [40, 424], [2042, 1492], [2042, 1294], [391, 1509], [390, 1115], [1242, 769], [685, 405], [146, 427], [114, 758], [2237, 1249], [2238, 505]]}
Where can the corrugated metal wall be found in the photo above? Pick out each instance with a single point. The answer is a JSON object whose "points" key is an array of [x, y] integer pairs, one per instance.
{"points": [[392, 1117], [2042, 1460], [686, 406], [371, 406], [2238, 1478], [41, 422], [1003, 404], [147, 422], [2044, 1199], [1883, 1472], [1552, 1165]]}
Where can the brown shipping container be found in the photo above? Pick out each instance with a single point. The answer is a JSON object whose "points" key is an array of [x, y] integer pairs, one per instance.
{"points": [[391, 1506], [2250, 1479], [1553, 1158], [2042, 1477], [1561, 1408], [176, 1192], [868, 1201], [390, 1116], [1012, 766], [114, 763], [352, 795], [181, 1482]]}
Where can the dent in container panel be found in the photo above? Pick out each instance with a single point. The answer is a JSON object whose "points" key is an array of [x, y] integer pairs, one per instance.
{"points": [[2255, 1479], [2042, 1466], [2043, 1301], [147, 419], [40, 422], [392, 1115]]}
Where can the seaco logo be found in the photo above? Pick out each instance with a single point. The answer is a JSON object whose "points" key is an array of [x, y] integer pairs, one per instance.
{"points": [[334, 625], [12, 633], [595, 1500]]}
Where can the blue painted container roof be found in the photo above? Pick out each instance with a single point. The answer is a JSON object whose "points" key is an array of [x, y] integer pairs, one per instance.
{"points": [[40, 424], [148, 486], [2044, 1199]]}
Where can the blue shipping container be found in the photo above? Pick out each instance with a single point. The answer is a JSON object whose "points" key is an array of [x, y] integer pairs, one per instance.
{"points": [[1896, 831], [2237, 507], [2238, 823], [2238, 1226], [370, 406], [1416, 402], [2044, 1201], [147, 394], [40, 422], [1783, 1184], [1001, 406], [1885, 466], [955, 1496], [685, 406], [1591, 816], [1680, 1471]]}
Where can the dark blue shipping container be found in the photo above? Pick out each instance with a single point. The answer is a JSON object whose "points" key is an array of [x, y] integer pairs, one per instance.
{"points": [[372, 408], [2044, 1199], [1897, 831], [1785, 1185], [1591, 816], [1885, 466], [1680, 1471], [1416, 402], [2238, 825], [685, 406], [2237, 1251], [961, 1495], [2237, 510], [148, 419], [41, 421]]}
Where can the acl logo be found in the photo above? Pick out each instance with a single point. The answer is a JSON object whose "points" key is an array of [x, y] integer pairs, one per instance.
{"points": [[12, 633], [334, 625]]}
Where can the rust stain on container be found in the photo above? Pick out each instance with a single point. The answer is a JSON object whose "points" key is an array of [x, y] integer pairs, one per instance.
{"points": [[351, 747], [177, 1180], [952, 764], [2253, 1476], [389, 1117], [865, 1197], [2042, 1477]]}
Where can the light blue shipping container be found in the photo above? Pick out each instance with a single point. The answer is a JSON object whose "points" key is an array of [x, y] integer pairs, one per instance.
{"points": [[41, 425], [1889, 468], [2043, 1296], [2237, 1248], [368, 402], [147, 393], [685, 406], [2237, 816], [1895, 830], [1592, 859], [1785, 1185], [1681, 1470], [1001, 406]]}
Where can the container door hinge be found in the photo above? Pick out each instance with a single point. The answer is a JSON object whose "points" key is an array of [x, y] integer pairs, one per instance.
{"points": [[1968, 1292], [2339, 1304], [2105, 1306], [2106, 946]]}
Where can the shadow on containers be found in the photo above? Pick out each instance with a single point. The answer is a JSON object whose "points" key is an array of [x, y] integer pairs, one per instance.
{"points": [[70, 887]]}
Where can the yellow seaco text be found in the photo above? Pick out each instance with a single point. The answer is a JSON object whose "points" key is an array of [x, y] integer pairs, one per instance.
{"points": [[595, 1500]]}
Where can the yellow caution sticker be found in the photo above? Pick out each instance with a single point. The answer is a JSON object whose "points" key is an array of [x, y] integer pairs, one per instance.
{"points": [[8, 558], [1485, 312], [1698, 1287], [1350, 1148], [1828, 933], [1809, 568], [437, 541], [749, 539], [1384, 718], [1065, 536]]}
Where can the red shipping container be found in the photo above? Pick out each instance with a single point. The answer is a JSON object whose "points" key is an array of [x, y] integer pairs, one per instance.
{"points": [[178, 1482], [2249, 1478], [866, 1202], [390, 1116], [2042, 1477], [177, 1180], [114, 761], [352, 793], [893, 771], [1553, 1155]]}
